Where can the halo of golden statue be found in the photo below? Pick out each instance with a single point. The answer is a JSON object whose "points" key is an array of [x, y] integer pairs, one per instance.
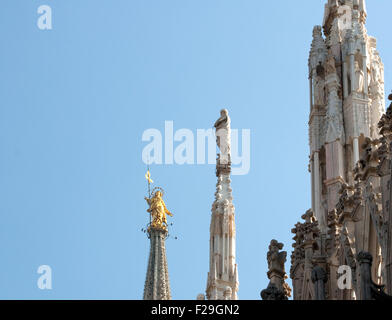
{"points": [[157, 207]]}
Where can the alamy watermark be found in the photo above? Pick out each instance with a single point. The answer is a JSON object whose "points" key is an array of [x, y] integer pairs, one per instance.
{"points": [[44, 21], [345, 278], [45, 280], [199, 150]]}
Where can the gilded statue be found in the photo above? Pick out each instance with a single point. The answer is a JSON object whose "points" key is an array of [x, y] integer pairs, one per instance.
{"points": [[158, 211]]}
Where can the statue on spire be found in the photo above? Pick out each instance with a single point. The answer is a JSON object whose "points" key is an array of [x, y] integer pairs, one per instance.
{"points": [[158, 211], [277, 288], [223, 137], [222, 127], [157, 207]]}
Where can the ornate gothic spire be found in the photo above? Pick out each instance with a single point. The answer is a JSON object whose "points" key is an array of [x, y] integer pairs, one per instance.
{"points": [[222, 283], [157, 286], [349, 156]]}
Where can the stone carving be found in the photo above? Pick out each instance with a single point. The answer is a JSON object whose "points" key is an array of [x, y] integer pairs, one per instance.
{"points": [[385, 171], [318, 51], [306, 249], [334, 116], [286, 288], [319, 278], [276, 259], [385, 124], [376, 91], [223, 136], [352, 148], [334, 36], [277, 288], [358, 26], [331, 64], [227, 293], [369, 290], [334, 119], [273, 293], [376, 78], [223, 272], [373, 202], [334, 231], [359, 78], [319, 91], [223, 122]]}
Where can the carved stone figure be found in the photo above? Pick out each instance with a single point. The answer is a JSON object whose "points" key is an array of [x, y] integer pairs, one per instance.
{"points": [[276, 259], [319, 278], [376, 79], [370, 290], [359, 78], [319, 91], [223, 136], [277, 288], [286, 288], [376, 73], [334, 116]]}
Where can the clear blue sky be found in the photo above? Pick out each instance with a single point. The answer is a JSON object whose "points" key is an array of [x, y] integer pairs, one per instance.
{"points": [[74, 103]]}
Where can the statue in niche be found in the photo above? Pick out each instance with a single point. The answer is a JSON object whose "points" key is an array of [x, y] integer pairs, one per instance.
{"points": [[376, 77], [319, 92], [319, 87], [359, 78]]}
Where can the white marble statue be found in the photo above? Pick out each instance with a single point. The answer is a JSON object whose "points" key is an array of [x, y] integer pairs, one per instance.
{"points": [[223, 136], [319, 91], [359, 78]]}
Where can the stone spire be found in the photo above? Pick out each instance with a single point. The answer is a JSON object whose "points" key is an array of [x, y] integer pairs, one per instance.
{"points": [[346, 100], [222, 283], [157, 286], [346, 82]]}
